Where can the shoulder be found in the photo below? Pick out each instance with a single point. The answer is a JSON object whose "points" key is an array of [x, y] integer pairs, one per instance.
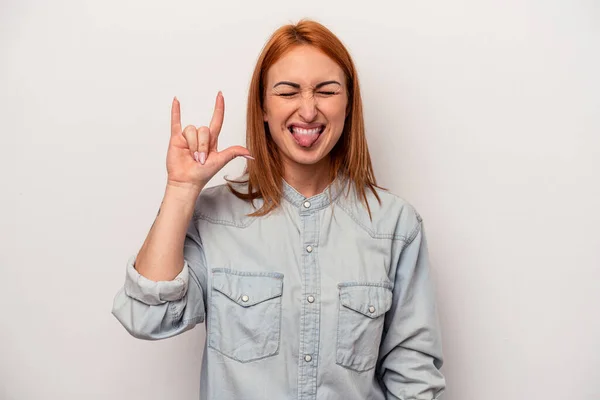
{"points": [[219, 205], [393, 217]]}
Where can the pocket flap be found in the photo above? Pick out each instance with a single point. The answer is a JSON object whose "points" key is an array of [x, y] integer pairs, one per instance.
{"points": [[247, 288], [371, 300]]}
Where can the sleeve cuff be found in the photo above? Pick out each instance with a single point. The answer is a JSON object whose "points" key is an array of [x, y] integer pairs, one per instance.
{"points": [[155, 293]]}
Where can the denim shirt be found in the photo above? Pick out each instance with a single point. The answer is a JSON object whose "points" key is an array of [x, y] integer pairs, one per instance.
{"points": [[315, 300]]}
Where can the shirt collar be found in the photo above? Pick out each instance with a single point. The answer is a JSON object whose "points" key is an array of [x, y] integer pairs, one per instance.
{"points": [[318, 201]]}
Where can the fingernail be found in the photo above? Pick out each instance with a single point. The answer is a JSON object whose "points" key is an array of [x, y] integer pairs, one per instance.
{"points": [[202, 158], [220, 93], [248, 157], [196, 156]]}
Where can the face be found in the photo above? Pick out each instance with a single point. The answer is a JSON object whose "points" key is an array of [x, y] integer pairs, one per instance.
{"points": [[305, 105]]}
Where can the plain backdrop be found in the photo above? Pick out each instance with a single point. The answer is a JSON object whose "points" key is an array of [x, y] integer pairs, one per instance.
{"points": [[483, 114]]}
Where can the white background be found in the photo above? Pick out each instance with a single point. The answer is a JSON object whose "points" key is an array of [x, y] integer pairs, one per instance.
{"points": [[482, 114]]}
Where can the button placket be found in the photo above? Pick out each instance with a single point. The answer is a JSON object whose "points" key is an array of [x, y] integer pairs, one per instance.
{"points": [[309, 320]]}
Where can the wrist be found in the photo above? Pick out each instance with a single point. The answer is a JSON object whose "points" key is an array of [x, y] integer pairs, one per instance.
{"points": [[182, 191]]}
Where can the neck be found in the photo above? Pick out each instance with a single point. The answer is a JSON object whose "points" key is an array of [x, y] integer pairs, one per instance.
{"points": [[308, 180]]}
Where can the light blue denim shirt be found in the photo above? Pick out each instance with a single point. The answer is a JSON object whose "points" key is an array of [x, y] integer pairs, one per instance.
{"points": [[313, 301]]}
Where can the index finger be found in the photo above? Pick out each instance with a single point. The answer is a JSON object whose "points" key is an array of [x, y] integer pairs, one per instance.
{"points": [[175, 118], [217, 119]]}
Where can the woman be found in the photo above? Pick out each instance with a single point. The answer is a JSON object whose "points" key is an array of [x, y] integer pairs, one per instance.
{"points": [[313, 282]]}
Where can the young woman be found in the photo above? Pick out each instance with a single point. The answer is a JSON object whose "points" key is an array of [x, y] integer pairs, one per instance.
{"points": [[312, 281]]}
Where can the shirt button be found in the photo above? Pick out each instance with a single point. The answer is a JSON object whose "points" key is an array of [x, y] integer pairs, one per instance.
{"points": [[309, 248], [371, 309], [245, 298], [307, 204], [310, 299], [307, 358]]}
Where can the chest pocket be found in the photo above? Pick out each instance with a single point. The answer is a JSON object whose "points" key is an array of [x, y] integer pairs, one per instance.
{"points": [[245, 314], [360, 323]]}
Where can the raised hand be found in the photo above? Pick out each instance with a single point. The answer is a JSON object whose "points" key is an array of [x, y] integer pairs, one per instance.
{"points": [[193, 158]]}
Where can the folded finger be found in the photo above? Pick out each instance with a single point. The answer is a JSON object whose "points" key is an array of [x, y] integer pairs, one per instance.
{"points": [[203, 143], [191, 137]]}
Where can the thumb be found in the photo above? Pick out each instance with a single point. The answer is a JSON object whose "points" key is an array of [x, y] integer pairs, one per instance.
{"points": [[232, 152]]}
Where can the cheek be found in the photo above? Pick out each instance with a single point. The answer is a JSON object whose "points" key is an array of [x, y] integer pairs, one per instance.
{"points": [[278, 113], [335, 112]]}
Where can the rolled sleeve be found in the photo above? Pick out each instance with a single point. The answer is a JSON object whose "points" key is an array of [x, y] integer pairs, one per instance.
{"points": [[157, 310], [153, 293]]}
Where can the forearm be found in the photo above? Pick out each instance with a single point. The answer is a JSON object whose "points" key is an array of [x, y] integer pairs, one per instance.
{"points": [[161, 255]]}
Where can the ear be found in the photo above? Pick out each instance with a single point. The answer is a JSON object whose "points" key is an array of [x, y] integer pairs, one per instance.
{"points": [[265, 118]]}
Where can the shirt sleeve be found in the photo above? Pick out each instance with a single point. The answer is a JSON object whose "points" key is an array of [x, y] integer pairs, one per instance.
{"points": [[410, 355], [158, 310]]}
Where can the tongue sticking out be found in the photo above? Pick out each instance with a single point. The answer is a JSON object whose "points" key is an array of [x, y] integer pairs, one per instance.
{"points": [[306, 139]]}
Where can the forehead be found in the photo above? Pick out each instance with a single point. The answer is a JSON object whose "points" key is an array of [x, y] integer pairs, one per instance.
{"points": [[305, 65]]}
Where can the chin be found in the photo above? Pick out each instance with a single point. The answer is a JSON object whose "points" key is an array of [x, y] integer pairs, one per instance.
{"points": [[307, 158]]}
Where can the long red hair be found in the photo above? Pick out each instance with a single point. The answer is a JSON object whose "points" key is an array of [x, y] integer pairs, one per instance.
{"points": [[350, 155]]}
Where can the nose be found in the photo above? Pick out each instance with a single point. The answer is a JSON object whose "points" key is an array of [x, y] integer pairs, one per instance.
{"points": [[308, 108]]}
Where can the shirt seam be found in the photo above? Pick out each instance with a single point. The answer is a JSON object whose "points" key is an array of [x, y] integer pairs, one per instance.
{"points": [[373, 233], [200, 216], [415, 231]]}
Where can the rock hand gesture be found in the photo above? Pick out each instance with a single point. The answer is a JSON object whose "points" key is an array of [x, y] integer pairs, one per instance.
{"points": [[193, 158]]}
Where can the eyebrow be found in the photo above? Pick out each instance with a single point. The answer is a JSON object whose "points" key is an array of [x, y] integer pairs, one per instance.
{"points": [[297, 86]]}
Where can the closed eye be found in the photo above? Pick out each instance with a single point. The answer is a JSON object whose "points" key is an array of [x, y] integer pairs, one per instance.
{"points": [[287, 94]]}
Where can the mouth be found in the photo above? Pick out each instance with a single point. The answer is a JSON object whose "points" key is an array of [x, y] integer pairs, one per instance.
{"points": [[306, 135]]}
